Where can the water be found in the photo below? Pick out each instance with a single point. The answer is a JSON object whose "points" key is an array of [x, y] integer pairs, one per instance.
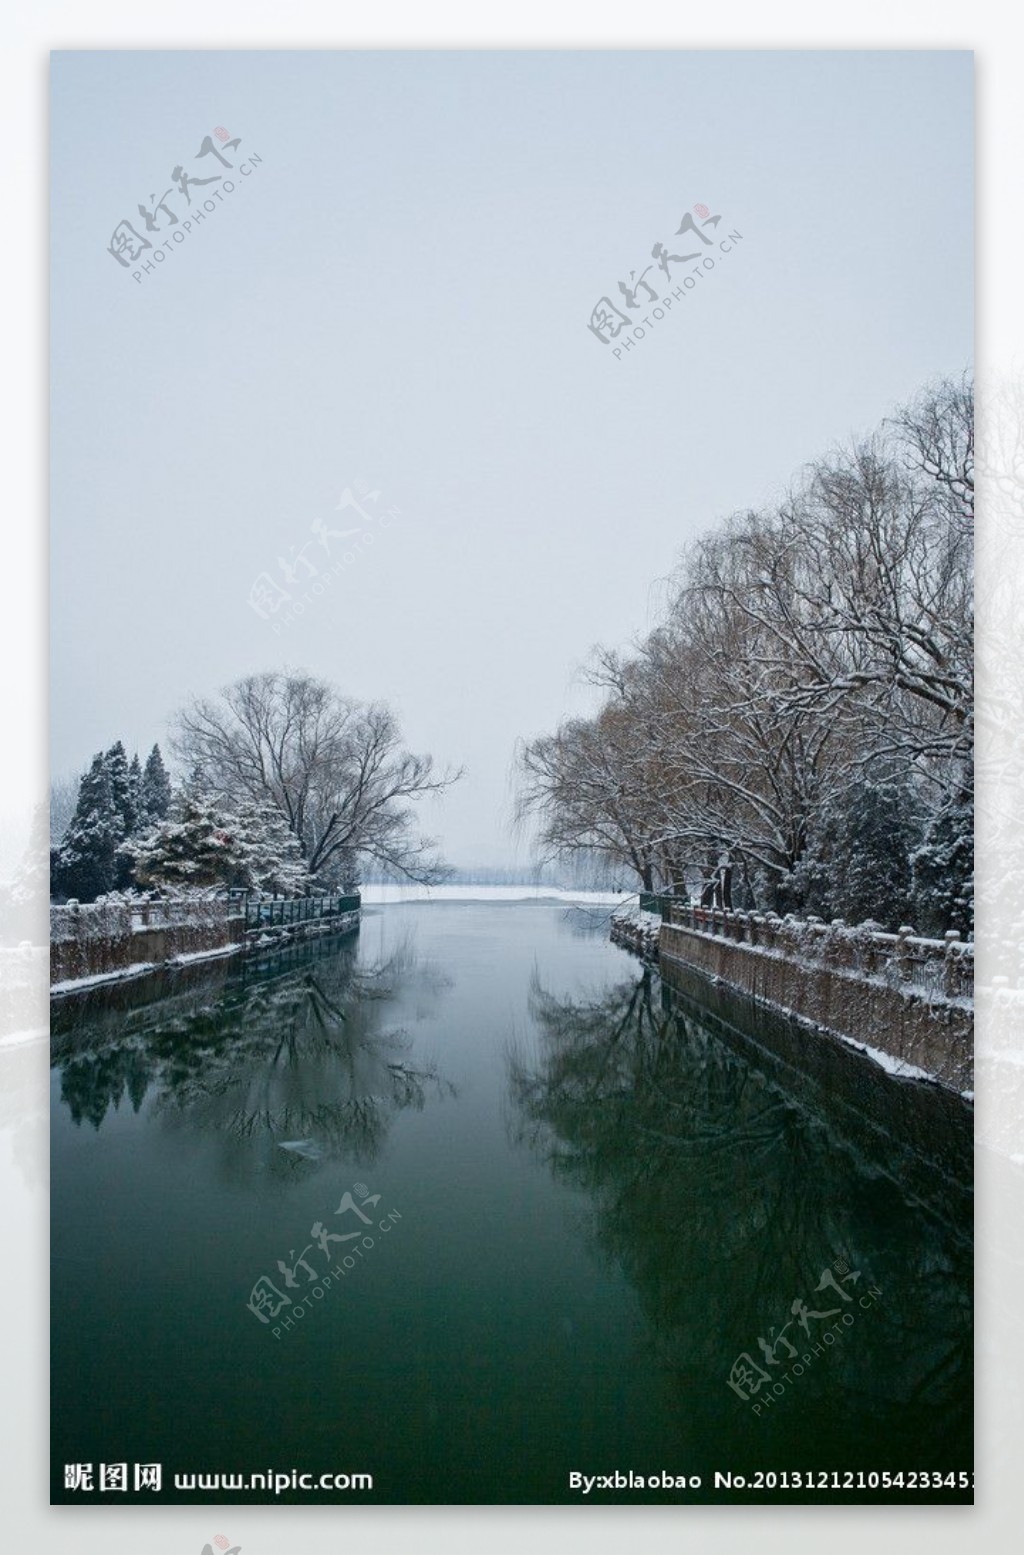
{"points": [[594, 1195]]}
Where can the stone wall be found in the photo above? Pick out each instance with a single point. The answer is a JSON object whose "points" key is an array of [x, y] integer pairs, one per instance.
{"points": [[907, 997], [103, 938]]}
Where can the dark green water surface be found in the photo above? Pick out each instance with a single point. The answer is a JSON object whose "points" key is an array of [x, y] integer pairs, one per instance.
{"points": [[580, 1199]]}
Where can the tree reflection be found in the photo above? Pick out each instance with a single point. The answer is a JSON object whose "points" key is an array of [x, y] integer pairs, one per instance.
{"points": [[295, 1051], [723, 1185]]}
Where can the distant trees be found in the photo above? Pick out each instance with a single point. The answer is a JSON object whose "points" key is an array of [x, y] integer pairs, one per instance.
{"points": [[797, 734], [334, 770]]}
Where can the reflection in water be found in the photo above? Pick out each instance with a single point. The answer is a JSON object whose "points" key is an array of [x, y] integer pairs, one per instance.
{"points": [[725, 1177], [291, 1055]]}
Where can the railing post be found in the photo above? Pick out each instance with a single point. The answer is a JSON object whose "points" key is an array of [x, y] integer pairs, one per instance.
{"points": [[904, 960], [952, 965]]}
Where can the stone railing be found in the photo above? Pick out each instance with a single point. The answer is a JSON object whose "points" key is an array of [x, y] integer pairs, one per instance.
{"points": [[943, 968], [102, 938], [908, 997]]}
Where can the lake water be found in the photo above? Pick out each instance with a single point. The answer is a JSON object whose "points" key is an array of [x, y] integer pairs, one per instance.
{"points": [[573, 1201]]}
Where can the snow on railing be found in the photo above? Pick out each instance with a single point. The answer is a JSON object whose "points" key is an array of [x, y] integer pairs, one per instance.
{"points": [[940, 968], [114, 918]]}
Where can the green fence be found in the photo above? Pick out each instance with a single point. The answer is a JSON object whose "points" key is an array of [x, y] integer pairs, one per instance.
{"points": [[281, 911], [662, 905]]}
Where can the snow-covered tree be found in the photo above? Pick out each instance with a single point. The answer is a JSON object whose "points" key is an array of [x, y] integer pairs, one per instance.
{"points": [[269, 856], [116, 763], [799, 723], [135, 794], [335, 769], [943, 869], [85, 862], [194, 848], [858, 860], [155, 788], [205, 845]]}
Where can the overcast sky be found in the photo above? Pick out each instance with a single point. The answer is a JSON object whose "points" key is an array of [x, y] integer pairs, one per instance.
{"points": [[395, 300]]}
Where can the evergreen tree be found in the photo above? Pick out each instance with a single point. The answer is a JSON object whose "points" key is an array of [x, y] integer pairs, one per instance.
{"points": [[135, 795], [271, 858], [120, 787], [155, 788], [126, 788], [196, 847], [858, 860], [943, 869], [85, 861]]}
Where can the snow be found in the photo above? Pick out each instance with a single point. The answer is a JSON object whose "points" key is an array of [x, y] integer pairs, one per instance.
{"points": [[188, 956], [633, 915], [135, 970], [381, 895], [895, 1066]]}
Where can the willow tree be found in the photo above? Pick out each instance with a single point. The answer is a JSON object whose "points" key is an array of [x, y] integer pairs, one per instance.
{"points": [[335, 769]]}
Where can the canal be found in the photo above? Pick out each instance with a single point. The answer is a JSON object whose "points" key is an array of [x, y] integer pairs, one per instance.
{"points": [[471, 1202]]}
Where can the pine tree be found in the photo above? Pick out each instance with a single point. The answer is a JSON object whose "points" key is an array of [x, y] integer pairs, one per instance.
{"points": [[155, 788], [86, 857], [126, 785], [858, 860], [197, 847], [944, 870], [271, 856], [120, 786], [135, 795]]}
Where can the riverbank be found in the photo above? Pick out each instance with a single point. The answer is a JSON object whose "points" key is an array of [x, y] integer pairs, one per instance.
{"points": [[111, 941], [905, 1000]]}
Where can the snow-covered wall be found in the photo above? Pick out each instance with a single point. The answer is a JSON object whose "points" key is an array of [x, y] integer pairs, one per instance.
{"points": [[896, 993], [107, 937]]}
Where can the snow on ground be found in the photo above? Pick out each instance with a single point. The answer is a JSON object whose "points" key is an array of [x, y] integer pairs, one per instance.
{"points": [[135, 970], [630, 913], [380, 895]]}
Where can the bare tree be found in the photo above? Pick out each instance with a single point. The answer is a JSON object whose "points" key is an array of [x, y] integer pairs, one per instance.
{"points": [[815, 660], [334, 768]]}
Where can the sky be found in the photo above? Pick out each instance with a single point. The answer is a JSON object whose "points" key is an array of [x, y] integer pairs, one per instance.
{"points": [[393, 303]]}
